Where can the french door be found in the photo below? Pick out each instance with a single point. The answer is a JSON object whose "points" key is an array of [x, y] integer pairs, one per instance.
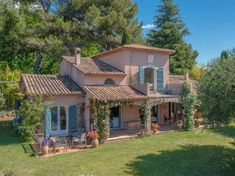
{"points": [[59, 120]]}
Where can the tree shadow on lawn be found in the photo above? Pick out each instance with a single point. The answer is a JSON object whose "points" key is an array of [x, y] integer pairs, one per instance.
{"points": [[228, 131], [189, 160], [8, 136]]}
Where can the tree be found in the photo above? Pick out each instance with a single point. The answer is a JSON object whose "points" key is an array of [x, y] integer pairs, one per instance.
{"points": [[126, 39], [103, 22], [10, 90], [34, 34], [169, 32], [2, 102], [188, 99], [217, 89], [196, 72], [90, 50], [12, 29], [32, 112]]}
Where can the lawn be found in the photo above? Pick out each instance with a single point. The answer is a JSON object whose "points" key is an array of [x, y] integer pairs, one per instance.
{"points": [[201, 152]]}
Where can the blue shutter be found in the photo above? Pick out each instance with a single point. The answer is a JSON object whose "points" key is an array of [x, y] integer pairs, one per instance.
{"points": [[160, 79], [47, 122], [141, 75], [73, 117]]}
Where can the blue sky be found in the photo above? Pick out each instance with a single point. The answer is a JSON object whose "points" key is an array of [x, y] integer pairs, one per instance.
{"points": [[211, 23]]}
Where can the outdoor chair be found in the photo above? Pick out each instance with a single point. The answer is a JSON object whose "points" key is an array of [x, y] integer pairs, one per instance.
{"points": [[76, 132], [79, 139], [61, 142], [39, 138]]}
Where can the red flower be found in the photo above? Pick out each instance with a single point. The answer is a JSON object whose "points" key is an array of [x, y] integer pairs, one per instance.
{"points": [[92, 135]]}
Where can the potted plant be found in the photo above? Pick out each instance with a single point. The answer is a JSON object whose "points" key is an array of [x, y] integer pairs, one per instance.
{"points": [[179, 124], [154, 128], [45, 149], [93, 136]]}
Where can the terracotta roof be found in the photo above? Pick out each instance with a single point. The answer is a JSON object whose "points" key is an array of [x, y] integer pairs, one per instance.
{"points": [[94, 66], [50, 85], [136, 47], [115, 93]]}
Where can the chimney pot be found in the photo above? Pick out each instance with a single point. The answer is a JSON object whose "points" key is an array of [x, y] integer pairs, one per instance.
{"points": [[77, 52]]}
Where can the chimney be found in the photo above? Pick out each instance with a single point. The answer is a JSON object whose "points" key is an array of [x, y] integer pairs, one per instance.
{"points": [[77, 53], [186, 76]]}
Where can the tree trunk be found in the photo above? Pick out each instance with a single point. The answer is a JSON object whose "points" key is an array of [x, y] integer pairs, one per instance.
{"points": [[37, 63]]}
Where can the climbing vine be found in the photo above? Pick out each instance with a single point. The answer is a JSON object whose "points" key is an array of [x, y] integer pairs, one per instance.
{"points": [[101, 109], [188, 99], [145, 115]]}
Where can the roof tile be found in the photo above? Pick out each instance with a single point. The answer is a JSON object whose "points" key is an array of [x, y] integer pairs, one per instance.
{"points": [[101, 92], [50, 85], [94, 66]]}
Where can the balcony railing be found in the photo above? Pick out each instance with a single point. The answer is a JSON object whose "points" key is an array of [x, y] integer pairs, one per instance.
{"points": [[150, 89]]}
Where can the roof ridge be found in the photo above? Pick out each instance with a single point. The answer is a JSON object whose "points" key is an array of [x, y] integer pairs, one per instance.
{"points": [[139, 47], [33, 74]]}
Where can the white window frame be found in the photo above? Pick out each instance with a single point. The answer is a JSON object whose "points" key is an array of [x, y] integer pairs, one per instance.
{"points": [[155, 74], [59, 131]]}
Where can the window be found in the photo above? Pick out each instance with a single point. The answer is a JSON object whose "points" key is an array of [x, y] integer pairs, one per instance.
{"points": [[109, 81], [62, 118], [54, 124], [58, 118], [160, 79], [149, 75]]}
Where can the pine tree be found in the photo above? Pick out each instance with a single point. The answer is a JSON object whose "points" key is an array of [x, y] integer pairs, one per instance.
{"points": [[103, 21], [169, 32]]}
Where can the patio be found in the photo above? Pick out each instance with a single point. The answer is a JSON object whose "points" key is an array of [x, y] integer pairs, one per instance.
{"points": [[120, 134], [67, 144], [55, 144], [60, 146]]}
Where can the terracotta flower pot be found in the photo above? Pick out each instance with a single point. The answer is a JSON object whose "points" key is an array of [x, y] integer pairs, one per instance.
{"points": [[95, 143], [45, 150], [179, 127]]}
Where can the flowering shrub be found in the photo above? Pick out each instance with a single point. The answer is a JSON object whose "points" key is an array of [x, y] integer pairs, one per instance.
{"points": [[154, 127], [93, 135], [46, 142], [179, 124]]}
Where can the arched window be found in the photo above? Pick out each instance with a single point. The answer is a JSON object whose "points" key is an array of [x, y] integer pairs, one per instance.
{"points": [[109, 81]]}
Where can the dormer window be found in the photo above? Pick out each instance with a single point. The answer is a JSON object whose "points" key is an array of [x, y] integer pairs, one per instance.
{"points": [[109, 81]]}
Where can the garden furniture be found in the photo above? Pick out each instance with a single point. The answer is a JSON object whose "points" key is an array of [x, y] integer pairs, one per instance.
{"points": [[39, 138], [79, 139]]}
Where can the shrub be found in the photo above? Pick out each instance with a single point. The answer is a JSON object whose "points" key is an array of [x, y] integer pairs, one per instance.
{"points": [[31, 112], [2, 102], [188, 101], [217, 89]]}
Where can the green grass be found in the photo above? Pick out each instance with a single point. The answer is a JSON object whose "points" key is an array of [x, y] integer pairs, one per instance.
{"points": [[204, 152]]}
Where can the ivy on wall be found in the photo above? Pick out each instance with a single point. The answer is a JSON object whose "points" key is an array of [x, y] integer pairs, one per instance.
{"points": [[145, 115], [101, 110], [188, 99]]}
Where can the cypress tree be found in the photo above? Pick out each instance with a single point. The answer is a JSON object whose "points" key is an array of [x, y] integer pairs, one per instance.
{"points": [[169, 32]]}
